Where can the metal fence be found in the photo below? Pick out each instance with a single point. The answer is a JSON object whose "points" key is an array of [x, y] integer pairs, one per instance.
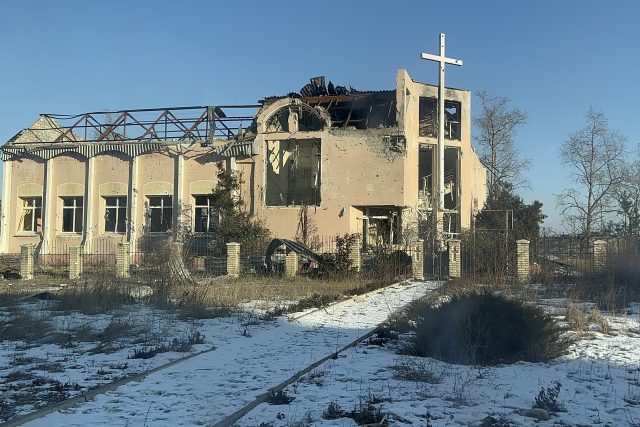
{"points": [[563, 254], [489, 254]]}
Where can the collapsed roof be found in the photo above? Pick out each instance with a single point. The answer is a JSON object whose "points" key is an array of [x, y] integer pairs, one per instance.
{"points": [[347, 107]]}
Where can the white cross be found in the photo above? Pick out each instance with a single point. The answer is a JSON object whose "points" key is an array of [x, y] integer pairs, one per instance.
{"points": [[442, 59]]}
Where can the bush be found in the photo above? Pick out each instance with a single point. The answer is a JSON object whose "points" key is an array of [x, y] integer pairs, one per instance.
{"points": [[279, 397], [487, 329], [337, 264], [385, 264], [547, 399]]}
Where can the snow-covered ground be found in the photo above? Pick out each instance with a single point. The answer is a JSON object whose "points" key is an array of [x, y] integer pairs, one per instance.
{"points": [[599, 378], [599, 385], [248, 360]]}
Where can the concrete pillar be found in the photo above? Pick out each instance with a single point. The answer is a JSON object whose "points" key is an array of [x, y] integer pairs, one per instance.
{"points": [[7, 204], [48, 209], [133, 202], [599, 254], [291, 264], [418, 260], [88, 229], [26, 261], [178, 195], [355, 256], [123, 262], [522, 260], [455, 259], [233, 259], [75, 262]]}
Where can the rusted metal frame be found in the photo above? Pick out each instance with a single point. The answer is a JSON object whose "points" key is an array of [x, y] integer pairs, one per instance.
{"points": [[151, 130], [197, 122], [113, 126], [144, 126], [179, 124], [91, 122], [136, 121], [69, 129], [221, 120]]}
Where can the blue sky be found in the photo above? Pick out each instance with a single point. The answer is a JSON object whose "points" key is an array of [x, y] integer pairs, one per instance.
{"points": [[553, 59]]}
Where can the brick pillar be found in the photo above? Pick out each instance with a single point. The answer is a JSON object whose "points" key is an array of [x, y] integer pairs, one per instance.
{"points": [[75, 262], [291, 264], [522, 260], [123, 262], [26, 261], [233, 259], [599, 254], [417, 260], [355, 257], [455, 259]]}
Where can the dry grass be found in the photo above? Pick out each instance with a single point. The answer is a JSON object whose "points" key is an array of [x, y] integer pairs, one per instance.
{"points": [[24, 327], [580, 320], [275, 291]]}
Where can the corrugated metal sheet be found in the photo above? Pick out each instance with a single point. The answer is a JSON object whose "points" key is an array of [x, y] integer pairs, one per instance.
{"points": [[86, 150]]}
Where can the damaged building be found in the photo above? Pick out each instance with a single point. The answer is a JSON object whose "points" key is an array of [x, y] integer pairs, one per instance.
{"points": [[358, 161]]}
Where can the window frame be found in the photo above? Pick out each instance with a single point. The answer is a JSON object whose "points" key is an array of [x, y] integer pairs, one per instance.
{"points": [[315, 173], [77, 213], [452, 127], [162, 207], [210, 228], [121, 218], [35, 210]]}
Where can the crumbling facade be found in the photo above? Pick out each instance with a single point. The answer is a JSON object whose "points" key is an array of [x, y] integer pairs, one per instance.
{"points": [[357, 162]]}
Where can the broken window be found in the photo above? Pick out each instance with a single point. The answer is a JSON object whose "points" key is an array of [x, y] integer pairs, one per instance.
{"points": [[425, 176], [451, 178], [206, 215], [428, 110], [428, 123], [160, 213], [452, 120], [31, 214], [279, 121], [293, 172], [309, 122], [380, 226], [115, 215], [72, 214]]}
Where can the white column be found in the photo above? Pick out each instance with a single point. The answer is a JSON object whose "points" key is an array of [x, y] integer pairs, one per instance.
{"points": [[7, 202], [133, 202], [49, 207], [89, 228], [178, 194]]}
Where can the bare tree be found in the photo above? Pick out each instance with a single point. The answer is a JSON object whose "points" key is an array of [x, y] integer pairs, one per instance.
{"points": [[627, 197], [496, 129], [595, 157]]}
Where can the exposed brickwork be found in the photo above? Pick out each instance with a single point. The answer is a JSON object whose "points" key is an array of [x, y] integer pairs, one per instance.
{"points": [[123, 260], [75, 262], [355, 255], [418, 260], [26, 261], [455, 264], [599, 254], [522, 260], [291, 264], [233, 259]]}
